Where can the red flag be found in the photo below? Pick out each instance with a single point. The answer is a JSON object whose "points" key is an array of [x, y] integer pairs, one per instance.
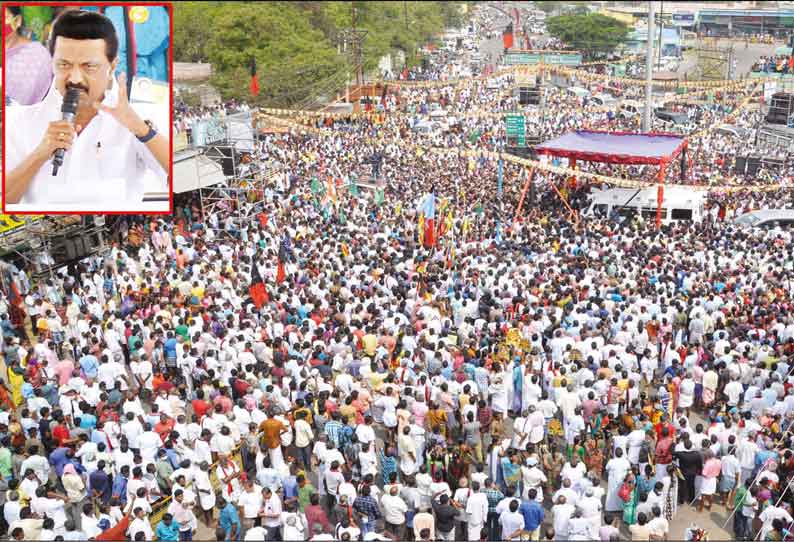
{"points": [[257, 289], [254, 79], [507, 36], [281, 273], [430, 233]]}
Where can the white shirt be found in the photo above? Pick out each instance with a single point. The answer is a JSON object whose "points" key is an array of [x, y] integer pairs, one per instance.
{"points": [[477, 509], [104, 170]]}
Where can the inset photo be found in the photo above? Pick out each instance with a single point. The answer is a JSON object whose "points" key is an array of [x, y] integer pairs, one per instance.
{"points": [[87, 94]]}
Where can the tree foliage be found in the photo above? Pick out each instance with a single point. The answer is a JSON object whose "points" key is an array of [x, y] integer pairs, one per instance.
{"points": [[297, 45], [590, 33]]}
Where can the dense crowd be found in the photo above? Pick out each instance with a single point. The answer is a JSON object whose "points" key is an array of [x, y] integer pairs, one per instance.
{"points": [[494, 380]]}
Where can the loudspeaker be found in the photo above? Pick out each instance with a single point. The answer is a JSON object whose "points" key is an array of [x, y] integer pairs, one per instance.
{"points": [[741, 165], [529, 96], [753, 165], [71, 248], [224, 156]]}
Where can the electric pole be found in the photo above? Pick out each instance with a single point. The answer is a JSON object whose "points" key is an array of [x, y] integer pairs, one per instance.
{"points": [[352, 40], [661, 31], [646, 120]]}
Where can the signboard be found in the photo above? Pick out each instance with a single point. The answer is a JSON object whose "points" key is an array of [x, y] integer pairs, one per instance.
{"points": [[513, 59], [564, 60], [561, 59], [12, 222], [684, 19], [207, 132], [516, 131]]}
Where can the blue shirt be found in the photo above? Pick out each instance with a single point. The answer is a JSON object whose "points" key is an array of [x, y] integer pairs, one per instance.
{"points": [[89, 365], [87, 421], [533, 514], [120, 488], [229, 516], [290, 486], [169, 348], [167, 533], [58, 459]]}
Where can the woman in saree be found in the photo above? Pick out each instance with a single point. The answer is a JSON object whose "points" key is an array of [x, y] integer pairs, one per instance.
{"points": [[670, 492], [630, 505], [553, 461], [16, 378], [576, 449], [594, 456], [511, 471], [5, 397]]}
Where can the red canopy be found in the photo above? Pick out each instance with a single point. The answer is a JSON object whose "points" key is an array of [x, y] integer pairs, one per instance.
{"points": [[615, 147]]}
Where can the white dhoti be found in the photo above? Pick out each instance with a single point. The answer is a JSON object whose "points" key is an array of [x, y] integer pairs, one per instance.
{"points": [[474, 532], [277, 458]]}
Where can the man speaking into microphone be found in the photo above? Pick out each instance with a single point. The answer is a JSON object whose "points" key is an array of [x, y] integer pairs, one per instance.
{"points": [[106, 148]]}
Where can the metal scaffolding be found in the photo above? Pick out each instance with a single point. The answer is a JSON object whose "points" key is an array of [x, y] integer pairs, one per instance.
{"points": [[714, 62], [230, 142], [48, 243]]}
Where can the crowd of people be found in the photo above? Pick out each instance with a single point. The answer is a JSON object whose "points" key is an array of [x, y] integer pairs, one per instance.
{"points": [[325, 368], [186, 116], [774, 64]]}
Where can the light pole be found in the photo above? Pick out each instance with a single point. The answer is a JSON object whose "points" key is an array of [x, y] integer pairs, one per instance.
{"points": [[646, 120]]}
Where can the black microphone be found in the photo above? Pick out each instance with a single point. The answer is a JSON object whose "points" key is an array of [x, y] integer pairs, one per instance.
{"points": [[68, 110]]}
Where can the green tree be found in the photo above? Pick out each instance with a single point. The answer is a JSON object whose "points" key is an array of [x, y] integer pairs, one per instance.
{"points": [[297, 45], [591, 33]]}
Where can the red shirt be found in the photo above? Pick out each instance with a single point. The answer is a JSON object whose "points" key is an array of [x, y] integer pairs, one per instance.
{"points": [[200, 408], [117, 532], [60, 433], [163, 429], [670, 428], [241, 386]]}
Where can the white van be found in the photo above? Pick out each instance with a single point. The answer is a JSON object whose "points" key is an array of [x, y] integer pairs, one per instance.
{"points": [[680, 203], [578, 92], [604, 100], [439, 117]]}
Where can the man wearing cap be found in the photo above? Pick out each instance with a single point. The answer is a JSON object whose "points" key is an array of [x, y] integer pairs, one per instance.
{"points": [[533, 478]]}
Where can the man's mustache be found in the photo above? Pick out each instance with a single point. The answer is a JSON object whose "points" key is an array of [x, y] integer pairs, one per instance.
{"points": [[70, 86]]}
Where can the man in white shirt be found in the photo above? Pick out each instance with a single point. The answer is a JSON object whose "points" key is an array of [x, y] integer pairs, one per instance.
{"points": [[271, 514], [250, 501], [512, 522], [477, 512], [394, 510], [140, 524], [109, 148]]}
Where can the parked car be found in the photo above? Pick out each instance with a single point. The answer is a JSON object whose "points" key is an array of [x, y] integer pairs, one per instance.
{"points": [[733, 131], [767, 219]]}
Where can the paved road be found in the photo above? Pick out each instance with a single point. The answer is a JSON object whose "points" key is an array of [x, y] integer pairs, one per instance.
{"points": [[745, 58]]}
